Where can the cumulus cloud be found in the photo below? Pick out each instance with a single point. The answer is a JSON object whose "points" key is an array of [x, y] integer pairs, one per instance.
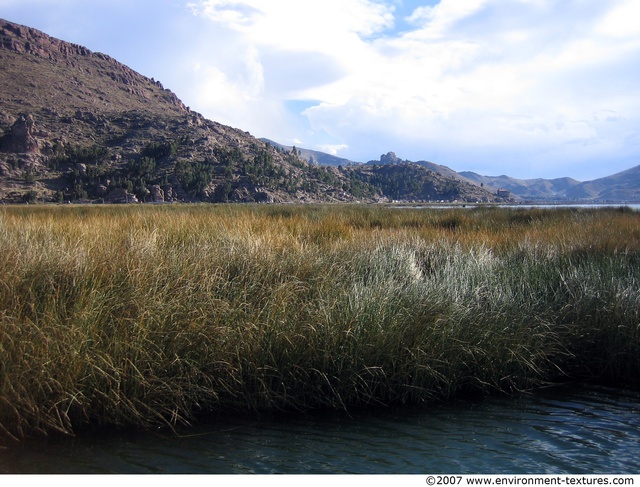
{"points": [[436, 21], [282, 50], [233, 14], [332, 149], [469, 82], [296, 25]]}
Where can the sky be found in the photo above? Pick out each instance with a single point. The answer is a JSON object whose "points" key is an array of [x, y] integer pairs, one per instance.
{"points": [[526, 88]]}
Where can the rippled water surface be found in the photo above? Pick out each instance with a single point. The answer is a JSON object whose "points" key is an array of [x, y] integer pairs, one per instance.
{"points": [[579, 430]]}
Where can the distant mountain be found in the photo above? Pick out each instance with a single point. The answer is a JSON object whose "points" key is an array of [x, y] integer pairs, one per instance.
{"points": [[528, 189], [623, 186], [77, 125], [620, 187]]}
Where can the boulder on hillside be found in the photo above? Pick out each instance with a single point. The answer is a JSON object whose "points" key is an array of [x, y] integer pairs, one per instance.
{"points": [[121, 195], [157, 194], [21, 136]]}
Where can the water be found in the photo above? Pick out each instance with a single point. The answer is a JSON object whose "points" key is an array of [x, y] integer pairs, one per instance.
{"points": [[527, 206], [586, 206], [574, 431]]}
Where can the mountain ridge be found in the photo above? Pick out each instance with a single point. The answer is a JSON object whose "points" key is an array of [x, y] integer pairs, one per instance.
{"points": [[77, 125], [619, 187]]}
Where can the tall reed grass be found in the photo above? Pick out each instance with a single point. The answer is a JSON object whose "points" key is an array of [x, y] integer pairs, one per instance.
{"points": [[155, 315]]}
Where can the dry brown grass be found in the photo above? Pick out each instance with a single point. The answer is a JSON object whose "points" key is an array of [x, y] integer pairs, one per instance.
{"points": [[147, 315]]}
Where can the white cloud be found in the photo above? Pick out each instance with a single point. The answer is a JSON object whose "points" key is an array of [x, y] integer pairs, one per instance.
{"points": [[295, 25], [280, 50], [233, 14], [622, 20], [436, 21], [332, 149], [468, 88], [485, 78]]}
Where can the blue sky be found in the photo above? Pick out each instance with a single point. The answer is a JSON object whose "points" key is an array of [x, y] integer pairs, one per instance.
{"points": [[527, 88]]}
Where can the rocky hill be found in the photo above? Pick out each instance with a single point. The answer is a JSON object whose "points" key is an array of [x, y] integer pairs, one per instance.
{"points": [[620, 187], [77, 125], [623, 186]]}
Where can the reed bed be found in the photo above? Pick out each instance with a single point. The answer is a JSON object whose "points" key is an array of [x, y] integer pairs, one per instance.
{"points": [[143, 316]]}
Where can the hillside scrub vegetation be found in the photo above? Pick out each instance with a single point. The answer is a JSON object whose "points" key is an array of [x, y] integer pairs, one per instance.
{"points": [[144, 316]]}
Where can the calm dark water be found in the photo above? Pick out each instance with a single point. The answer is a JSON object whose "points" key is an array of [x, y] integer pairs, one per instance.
{"points": [[528, 206], [576, 431]]}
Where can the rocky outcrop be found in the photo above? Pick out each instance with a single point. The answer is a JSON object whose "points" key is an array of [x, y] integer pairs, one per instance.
{"points": [[156, 193], [26, 40], [389, 158], [21, 137], [121, 196]]}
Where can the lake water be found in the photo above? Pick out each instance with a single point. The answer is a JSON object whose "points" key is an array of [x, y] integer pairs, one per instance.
{"points": [[562, 430], [549, 206]]}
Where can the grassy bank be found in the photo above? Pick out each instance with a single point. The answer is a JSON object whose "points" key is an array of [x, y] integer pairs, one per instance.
{"points": [[150, 315]]}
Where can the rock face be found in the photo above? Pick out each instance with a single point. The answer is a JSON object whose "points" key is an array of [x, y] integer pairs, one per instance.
{"points": [[24, 39], [21, 137], [157, 194], [390, 158], [27, 41]]}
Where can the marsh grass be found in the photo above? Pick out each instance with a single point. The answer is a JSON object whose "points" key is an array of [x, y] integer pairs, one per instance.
{"points": [[146, 316]]}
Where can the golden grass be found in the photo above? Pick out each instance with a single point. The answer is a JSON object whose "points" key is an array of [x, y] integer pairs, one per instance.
{"points": [[151, 315]]}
